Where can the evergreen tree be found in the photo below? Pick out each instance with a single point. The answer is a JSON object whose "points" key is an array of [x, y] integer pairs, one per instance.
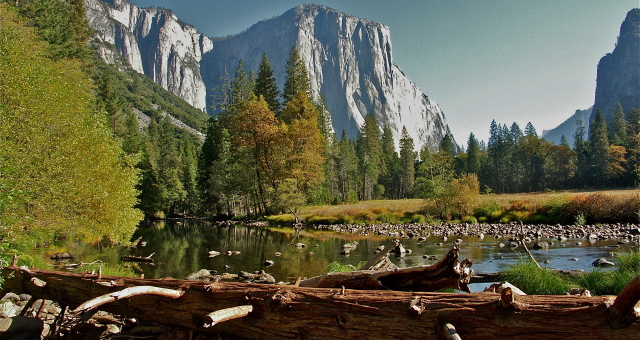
{"points": [[407, 164], [369, 149], [435, 172], [618, 130], [266, 85], [473, 155], [347, 163], [62, 24], [599, 147], [297, 77], [447, 145], [581, 148], [633, 143], [389, 171]]}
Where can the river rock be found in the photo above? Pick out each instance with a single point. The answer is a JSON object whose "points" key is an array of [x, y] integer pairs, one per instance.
{"points": [[579, 292], [499, 287], [202, 275], [541, 245], [257, 277], [602, 262], [21, 327], [61, 256]]}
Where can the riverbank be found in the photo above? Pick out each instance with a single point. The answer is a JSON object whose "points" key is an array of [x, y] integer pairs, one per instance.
{"points": [[581, 207]]}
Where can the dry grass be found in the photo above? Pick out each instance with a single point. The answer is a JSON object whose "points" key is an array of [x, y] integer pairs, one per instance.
{"points": [[543, 207]]}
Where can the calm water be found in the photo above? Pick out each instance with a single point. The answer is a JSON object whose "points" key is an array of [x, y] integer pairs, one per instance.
{"points": [[181, 248]]}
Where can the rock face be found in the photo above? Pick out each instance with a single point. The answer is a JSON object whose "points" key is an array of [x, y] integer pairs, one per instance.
{"points": [[153, 42], [349, 61], [619, 71], [568, 128]]}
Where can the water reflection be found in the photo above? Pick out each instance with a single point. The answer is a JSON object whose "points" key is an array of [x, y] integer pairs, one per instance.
{"points": [[181, 248]]}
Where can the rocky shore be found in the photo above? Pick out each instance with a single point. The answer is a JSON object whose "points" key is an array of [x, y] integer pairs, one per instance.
{"points": [[621, 231]]}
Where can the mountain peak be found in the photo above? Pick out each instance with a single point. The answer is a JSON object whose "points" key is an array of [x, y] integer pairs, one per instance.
{"points": [[618, 79], [349, 61]]}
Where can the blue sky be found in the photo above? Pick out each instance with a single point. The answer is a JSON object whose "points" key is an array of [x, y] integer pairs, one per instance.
{"points": [[512, 61]]}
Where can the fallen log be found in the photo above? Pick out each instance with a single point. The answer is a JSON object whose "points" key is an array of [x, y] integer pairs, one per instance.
{"points": [[133, 258], [447, 273], [285, 311]]}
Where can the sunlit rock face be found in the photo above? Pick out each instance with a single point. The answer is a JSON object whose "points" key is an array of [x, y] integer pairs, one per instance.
{"points": [[619, 71], [349, 61], [153, 42]]}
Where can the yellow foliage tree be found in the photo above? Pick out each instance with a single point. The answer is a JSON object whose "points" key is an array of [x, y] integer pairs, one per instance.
{"points": [[61, 172], [305, 157]]}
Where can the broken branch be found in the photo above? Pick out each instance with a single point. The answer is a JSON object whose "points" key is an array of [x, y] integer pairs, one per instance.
{"points": [[226, 314], [125, 293]]}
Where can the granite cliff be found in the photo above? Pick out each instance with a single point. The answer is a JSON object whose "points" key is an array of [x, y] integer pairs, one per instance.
{"points": [[349, 61], [619, 72]]}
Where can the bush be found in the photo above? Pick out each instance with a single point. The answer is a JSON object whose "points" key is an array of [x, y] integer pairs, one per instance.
{"points": [[458, 198], [469, 219]]}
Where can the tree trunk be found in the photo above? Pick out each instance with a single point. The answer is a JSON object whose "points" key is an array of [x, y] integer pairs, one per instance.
{"points": [[279, 312], [447, 273]]}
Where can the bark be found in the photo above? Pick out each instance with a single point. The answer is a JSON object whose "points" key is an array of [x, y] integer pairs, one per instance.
{"points": [[283, 312], [447, 273]]}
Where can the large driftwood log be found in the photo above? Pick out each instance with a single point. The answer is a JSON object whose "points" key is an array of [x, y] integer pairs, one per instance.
{"points": [[447, 273], [283, 312]]}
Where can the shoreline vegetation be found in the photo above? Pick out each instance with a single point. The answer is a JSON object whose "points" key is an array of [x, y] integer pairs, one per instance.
{"points": [[565, 208]]}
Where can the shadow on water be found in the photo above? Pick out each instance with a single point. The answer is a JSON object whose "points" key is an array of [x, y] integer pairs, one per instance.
{"points": [[182, 247]]}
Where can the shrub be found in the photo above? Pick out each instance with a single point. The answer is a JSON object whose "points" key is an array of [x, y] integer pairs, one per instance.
{"points": [[458, 198], [470, 219], [415, 218]]}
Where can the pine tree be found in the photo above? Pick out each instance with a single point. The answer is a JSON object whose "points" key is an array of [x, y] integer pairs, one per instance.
{"points": [[297, 77], [473, 155], [347, 163], [389, 171], [581, 148], [407, 164], [369, 150], [599, 147], [633, 143], [266, 85], [618, 131]]}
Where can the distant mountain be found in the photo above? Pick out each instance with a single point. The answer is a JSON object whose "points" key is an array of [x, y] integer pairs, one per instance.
{"points": [[619, 72], [349, 61], [568, 127]]}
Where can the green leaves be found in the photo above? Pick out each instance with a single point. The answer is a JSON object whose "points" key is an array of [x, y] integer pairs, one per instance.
{"points": [[71, 175]]}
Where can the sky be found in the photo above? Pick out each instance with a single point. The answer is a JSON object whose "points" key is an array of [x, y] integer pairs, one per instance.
{"points": [[508, 60]]}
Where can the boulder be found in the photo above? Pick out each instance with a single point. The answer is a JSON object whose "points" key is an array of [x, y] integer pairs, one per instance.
{"points": [[21, 328], [602, 262]]}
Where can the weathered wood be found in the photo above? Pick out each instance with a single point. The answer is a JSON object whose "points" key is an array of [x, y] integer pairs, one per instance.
{"points": [[450, 332], [284, 312], [132, 258], [126, 293], [374, 261], [447, 273], [623, 308], [226, 314]]}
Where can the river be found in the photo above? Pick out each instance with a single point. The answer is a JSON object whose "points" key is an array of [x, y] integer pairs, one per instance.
{"points": [[182, 247]]}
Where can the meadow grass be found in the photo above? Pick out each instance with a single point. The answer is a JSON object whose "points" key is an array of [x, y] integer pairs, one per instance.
{"points": [[566, 207], [531, 279]]}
